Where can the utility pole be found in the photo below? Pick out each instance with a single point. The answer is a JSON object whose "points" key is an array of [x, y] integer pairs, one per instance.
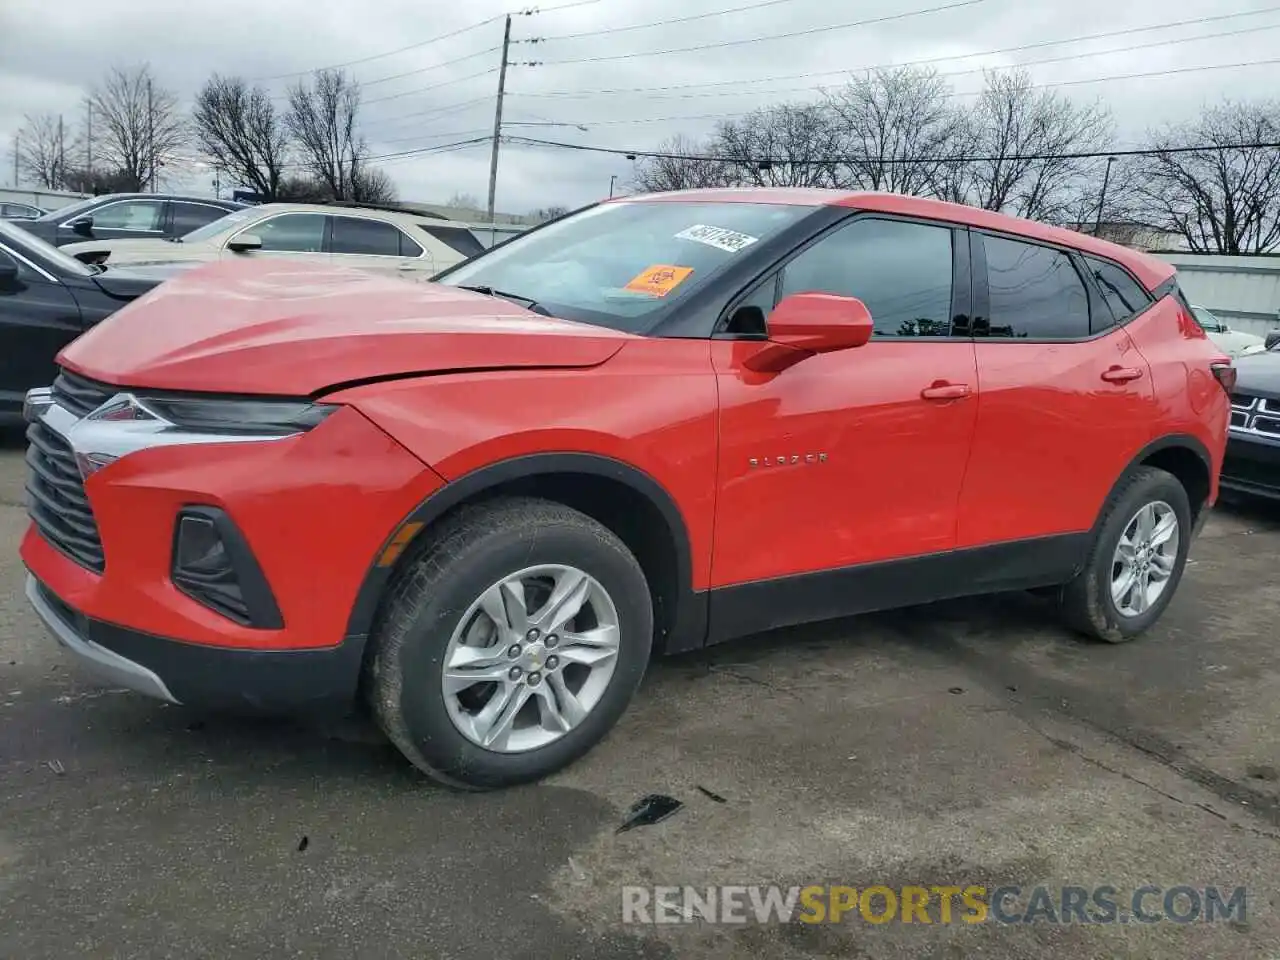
{"points": [[1102, 200], [62, 157], [151, 138], [17, 150], [497, 118], [88, 144]]}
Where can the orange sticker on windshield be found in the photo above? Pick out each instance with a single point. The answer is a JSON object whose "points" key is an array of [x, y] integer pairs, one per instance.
{"points": [[659, 280]]}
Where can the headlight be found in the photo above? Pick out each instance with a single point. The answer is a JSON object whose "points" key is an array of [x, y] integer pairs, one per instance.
{"points": [[1254, 348], [218, 415]]}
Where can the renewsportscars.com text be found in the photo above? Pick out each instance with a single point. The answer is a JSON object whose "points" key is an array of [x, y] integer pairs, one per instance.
{"points": [[934, 904]]}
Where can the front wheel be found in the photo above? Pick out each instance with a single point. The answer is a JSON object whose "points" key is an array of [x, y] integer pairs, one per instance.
{"points": [[511, 645], [1136, 561]]}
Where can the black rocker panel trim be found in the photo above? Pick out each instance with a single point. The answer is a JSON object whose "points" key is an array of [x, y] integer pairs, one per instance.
{"points": [[762, 605]]}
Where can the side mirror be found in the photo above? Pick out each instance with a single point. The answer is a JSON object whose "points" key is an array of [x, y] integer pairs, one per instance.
{"points": [[244, 243], [82, 225], [805, 324], [1273, 338]]}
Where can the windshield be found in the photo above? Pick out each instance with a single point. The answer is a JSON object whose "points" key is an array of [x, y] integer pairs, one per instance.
{"points": [[32, 245], [221, 225], [1206, 319], [618, 263], [70, 210]]}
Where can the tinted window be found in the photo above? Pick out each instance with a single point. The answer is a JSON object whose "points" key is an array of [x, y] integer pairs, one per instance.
{"points": [[409, 248], [292, 233], [129, 215], [1035, 292], [1124, 295], [192, 216], [371, 238], [901, 271], [457, 239]]}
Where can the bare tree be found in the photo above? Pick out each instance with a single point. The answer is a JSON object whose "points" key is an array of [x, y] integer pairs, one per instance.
{"points": [[786, 145], [543, 214], [42, 150], [1023, 139], [322, 118], [240, 131], [138, 127], [678, 168], [465, 201], [897, 131], [1224, 200], [371, 185]]}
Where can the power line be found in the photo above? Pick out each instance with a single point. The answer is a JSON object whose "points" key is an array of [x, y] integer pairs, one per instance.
{"points": [[434, 66], [1082, 155], [776, 36], [524, 12], [656, 23], [574, 94], [434, 113], [956, 73], [388, 53], [433, 86]]}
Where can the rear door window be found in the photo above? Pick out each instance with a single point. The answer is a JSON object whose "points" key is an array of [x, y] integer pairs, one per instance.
{"points": [[1036, 293], [192, 216], [364, 237]]}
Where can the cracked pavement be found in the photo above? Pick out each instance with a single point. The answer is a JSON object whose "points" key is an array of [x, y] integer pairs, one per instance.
{"points": [[971, 742]]}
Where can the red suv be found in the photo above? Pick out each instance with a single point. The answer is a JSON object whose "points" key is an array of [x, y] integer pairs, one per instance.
{"points": [[661, 422]]}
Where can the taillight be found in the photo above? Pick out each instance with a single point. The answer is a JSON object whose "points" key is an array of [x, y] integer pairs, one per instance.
{"points": [[1225, 374]]}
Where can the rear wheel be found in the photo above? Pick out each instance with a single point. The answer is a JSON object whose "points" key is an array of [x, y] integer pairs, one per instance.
{"points": [[511, 645], [1136, 561]]}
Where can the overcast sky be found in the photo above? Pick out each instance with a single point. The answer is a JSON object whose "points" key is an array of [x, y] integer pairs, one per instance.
{"points": [[51, 53]]}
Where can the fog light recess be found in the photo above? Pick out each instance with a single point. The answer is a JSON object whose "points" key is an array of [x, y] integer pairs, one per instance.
{"points": [[213, 565]]}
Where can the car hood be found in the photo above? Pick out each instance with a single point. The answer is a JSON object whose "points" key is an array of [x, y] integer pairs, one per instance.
{"points": [[289, 328], [1258, 374], [136, 279], [138, 252]]}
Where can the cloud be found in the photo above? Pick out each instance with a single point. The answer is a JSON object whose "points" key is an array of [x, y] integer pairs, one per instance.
{"points": [[51, 54]]}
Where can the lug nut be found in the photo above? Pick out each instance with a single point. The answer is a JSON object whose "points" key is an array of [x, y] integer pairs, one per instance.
{"points": [[513, 651], [514, 673], [552, 640], [535, 678], [553, 662], [532, 635]]}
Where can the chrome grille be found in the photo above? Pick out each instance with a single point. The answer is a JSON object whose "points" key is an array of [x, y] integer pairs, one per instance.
{"points": [[79, 395], [56, 499], [1267, 425], [1267, 405], [1240, 401]]}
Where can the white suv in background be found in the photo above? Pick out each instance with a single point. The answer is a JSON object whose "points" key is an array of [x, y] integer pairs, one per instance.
{"points": [[415, 246]]}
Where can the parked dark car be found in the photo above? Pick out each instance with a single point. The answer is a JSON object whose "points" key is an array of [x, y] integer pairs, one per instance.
{"points": [[118, 216], [20, 211], [47, 299], [1252, 465]]}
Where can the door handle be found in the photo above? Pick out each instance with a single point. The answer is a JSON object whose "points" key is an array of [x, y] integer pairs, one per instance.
{"points": [[1121, 374], [945, 391]]}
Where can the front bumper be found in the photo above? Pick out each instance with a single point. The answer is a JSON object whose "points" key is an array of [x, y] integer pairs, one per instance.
{"points": [[310, 513], [1252, 466], [176, 672]]}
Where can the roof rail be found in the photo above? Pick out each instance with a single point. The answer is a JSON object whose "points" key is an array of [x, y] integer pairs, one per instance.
{"points": [[388, 207]]}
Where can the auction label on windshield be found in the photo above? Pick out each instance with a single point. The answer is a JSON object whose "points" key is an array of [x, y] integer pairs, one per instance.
{"points": [[728, 240], [659, 280]]}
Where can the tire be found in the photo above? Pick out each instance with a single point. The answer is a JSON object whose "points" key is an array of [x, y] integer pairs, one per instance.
{"points": [[434, 599], [1086, 603]]}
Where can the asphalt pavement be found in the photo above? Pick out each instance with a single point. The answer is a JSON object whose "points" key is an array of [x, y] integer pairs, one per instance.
{"points": [[972, 742]]}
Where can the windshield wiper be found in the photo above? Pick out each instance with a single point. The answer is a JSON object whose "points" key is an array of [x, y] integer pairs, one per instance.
{"points": [[525, 302]]}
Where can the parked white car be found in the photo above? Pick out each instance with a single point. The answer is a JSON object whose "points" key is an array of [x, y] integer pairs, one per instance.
{"points": [[384, 240], [1235, 343]]}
